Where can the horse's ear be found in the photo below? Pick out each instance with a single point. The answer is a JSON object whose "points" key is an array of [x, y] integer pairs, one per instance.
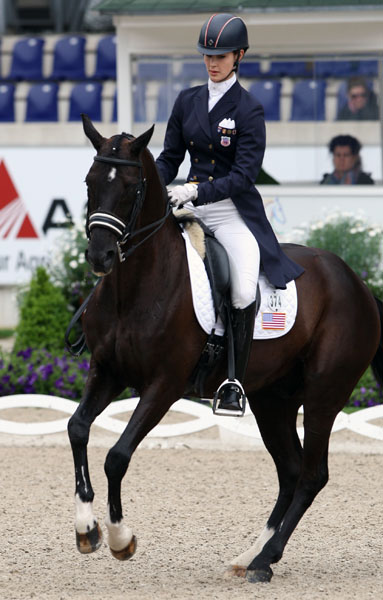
{"points": [[142, 141], [91, 132]]}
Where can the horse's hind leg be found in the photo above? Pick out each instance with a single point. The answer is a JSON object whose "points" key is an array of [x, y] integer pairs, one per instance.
{"points": [[99, 392], [276, 419], [325, 396]]}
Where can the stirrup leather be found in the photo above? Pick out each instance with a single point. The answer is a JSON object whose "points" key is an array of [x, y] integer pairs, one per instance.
{"points": [[217, 396]]}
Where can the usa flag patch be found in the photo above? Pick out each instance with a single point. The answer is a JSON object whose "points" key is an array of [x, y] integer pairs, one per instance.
{"points": [[273, 320]]}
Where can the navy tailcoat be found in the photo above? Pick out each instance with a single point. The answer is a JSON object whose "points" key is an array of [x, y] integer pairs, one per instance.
{"points": [[226, 147]]}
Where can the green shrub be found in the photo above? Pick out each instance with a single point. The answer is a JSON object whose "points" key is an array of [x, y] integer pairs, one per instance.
{"points": [[356, 241], [367, 392], [44, 315]]}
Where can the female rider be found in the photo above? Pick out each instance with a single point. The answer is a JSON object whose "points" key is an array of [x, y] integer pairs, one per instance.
{"points": [[222, 127]]}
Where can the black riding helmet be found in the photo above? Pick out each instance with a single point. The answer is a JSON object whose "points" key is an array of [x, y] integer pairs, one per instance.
{"points": [[222, 33]]}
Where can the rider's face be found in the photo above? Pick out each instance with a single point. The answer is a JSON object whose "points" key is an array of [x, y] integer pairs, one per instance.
{"points": [[220, 66]]}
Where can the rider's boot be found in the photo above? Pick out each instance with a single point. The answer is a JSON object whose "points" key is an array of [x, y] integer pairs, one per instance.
{"points": [[231, 394]]}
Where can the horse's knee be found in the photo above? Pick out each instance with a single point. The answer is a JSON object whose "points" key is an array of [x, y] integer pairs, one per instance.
{"points": [[78, 430], [116, 464]]}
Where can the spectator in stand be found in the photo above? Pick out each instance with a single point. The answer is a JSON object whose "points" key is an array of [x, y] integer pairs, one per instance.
{"points": [[347, 163], [361, 102]]}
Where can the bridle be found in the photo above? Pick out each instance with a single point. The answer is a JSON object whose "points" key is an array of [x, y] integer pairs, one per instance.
{"points": [[125, 231]]}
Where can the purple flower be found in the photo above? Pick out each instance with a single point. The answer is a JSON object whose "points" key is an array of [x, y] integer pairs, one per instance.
{"points": [[363, 390], [45, 371], [25, 353], [5, 378], [84, 364], [58, 383], [29, 389], [72, 378], [1, 363]]}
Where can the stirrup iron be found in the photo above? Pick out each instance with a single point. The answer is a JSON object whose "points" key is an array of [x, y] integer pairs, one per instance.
{"points": [[222, 412]]}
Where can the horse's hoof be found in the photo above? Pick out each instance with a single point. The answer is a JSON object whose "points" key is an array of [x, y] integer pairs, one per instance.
{"points": [[127, 552], [90, 541], [259, 575], [235, 571]]}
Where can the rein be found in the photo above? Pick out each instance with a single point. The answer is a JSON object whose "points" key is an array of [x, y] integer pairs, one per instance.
{"points": [[125, 231]]}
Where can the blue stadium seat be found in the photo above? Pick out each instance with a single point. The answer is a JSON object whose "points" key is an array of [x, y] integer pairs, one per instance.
{"points": [[268, 93], [249, 69], [367, 68], [153, 71], [85, 98], [106, 58], [334, 68], [193, 70], [69, 58], [139, 99], [27, 60], [7, 105], [308, 100], [295, 68], [165, 100], [42, 102]]}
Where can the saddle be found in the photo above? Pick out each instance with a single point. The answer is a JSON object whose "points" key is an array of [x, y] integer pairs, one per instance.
{"points": [[216, 263]]}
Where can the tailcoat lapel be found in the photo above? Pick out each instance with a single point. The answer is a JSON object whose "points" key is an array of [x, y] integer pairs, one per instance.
{"points": [[201, 101]]}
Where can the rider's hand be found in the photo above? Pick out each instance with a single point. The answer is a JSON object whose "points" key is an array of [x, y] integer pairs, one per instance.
{"points": [[181, 194]]}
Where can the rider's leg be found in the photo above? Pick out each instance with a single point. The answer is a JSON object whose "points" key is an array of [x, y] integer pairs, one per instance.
{"points": [[243, 252]]}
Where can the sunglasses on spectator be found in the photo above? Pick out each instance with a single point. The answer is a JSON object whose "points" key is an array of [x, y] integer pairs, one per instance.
{"points": [[361, 95]]}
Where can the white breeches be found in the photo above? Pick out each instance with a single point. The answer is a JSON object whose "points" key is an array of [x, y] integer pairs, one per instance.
{"points": [[241, 246]]}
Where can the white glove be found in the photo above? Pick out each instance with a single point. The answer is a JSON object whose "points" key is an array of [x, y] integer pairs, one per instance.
{"points": [[181, 194]]}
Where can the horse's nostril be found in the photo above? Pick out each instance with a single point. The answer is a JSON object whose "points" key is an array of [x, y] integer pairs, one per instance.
{"points": [[110, 255]]}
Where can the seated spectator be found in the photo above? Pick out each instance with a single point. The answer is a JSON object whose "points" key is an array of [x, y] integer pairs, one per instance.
{"points": [[347, 163], [361, 102]]}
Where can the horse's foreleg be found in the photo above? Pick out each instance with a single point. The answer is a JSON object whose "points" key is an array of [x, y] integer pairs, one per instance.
{"points": [[96, 397], [276, 420], [153, 405]]}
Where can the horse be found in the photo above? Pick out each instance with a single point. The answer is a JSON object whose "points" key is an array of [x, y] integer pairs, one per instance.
{"points": [[142, 332]]}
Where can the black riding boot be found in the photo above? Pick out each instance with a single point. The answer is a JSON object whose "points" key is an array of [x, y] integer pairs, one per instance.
{"points": [[243, 328]]}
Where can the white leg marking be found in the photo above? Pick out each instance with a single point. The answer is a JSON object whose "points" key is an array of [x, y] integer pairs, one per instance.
{"points": [[120, 535], [243, 560], [85, 520]]}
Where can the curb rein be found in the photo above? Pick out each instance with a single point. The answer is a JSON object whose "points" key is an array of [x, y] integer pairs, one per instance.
{"points": [[124, 232]]}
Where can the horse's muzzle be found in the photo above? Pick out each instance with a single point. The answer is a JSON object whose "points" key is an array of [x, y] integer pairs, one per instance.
{"points": [[101, 261]]}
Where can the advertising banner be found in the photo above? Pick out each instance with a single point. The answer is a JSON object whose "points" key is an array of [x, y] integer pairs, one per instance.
{"points": [[41, 191]]}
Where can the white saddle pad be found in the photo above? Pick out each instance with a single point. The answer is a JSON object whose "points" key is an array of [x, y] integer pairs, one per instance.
{"points": [[275, 317]]}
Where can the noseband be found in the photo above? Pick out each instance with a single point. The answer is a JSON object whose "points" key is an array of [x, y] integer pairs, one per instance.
{"points": [[108, 220]]}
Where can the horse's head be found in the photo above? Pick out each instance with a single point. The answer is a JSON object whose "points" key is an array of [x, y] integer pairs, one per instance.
{"points": [[116, 190]]}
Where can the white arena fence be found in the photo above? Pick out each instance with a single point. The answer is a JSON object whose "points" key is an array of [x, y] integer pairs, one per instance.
{"points": [[203, 418]]}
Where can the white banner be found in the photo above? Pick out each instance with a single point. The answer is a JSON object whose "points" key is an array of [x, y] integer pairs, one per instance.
{"points": [[41, 188]]}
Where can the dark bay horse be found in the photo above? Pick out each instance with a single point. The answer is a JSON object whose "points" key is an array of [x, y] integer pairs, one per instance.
{"points": [[142, 332]]}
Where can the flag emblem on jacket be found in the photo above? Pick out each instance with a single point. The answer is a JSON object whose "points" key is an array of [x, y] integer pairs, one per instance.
{"points": [[225, 140], [273, 320]]}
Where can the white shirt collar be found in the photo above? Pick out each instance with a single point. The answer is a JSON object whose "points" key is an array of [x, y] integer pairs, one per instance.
{"points": [[221, 87]]}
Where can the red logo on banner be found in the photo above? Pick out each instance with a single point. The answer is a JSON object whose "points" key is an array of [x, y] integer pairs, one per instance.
{"points": [[14, 219]]}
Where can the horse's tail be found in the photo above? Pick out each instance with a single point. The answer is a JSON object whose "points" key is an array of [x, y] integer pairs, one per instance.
{"points": [[377, 361]]}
